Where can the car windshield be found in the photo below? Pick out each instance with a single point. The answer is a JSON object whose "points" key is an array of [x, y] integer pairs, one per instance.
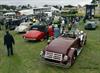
{"points": [[38, 27], [90, 22], [69, 34]]}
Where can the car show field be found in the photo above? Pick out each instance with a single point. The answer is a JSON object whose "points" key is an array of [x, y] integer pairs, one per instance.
{"points": [[27, 58]]}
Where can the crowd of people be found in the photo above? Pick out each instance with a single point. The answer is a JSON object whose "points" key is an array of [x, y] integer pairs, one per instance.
{"points": [[60, 26]]}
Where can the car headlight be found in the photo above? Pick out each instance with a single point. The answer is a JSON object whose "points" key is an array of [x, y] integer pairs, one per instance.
{"points": [[65, 58], [41, 53]]}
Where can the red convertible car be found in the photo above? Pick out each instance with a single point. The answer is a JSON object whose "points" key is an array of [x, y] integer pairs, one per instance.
{"points": [[37, 32], [63, 50]]}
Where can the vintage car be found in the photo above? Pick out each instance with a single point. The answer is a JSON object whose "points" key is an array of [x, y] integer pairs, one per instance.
{"points": [[63, 50], [12, 23], [37, 32], [90, 25], [23, 27]]}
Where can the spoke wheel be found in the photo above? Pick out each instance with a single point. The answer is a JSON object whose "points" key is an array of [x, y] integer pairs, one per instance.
{"points": [[72, 61]]}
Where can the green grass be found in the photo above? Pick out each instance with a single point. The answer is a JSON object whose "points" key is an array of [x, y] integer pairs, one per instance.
{"points": [[26, 57]]}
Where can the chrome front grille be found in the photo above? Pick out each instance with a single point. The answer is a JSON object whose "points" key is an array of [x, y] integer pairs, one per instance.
{"points": [[53, 56]]}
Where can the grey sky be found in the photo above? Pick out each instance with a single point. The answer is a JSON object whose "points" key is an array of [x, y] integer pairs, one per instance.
{"points": [[42, 2]]}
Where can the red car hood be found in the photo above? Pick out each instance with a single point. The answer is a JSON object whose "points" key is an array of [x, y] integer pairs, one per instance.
{"points": [[33, 34], [60, 45]]}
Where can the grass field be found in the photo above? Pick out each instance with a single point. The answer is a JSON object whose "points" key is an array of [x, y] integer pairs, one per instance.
{"points": [[26, 57]]}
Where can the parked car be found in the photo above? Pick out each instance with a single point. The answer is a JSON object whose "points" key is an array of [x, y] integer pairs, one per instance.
{"points": [[37, 32], [13, 23], [90, 25], [23, 27], [63, 50]]}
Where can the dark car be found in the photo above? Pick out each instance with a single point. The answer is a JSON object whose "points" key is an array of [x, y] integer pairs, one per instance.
{"points": [[63, 50], [12, 24], [90, 25]]}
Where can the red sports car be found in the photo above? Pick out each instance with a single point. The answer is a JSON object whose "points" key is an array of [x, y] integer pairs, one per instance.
{"points": [[37, 32]]}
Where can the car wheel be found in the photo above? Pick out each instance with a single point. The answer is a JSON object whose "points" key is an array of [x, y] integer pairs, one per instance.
{"points": [[72, 61]]}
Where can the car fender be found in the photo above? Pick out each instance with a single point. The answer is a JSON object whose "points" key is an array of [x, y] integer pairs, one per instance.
{"points": [[41, 36], [71, 52], [83, 39]]}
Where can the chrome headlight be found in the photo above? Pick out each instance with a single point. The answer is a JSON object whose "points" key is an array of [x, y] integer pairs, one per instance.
{"points": [[65, 58], [41, 53]]}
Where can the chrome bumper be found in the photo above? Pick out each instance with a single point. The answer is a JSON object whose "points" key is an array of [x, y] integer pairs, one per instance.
{"points": [[43, 60]]}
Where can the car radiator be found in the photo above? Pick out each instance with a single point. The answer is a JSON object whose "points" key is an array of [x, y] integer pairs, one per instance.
{"points": [[53, 56]]}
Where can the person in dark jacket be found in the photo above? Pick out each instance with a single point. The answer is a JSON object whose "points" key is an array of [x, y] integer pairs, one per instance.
{"points": [[8, 42]]}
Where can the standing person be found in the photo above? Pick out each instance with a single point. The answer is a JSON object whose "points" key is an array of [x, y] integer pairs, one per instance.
{"points": [[69, 26], [74, 26], [8, 42], [47, 33], [62, 25], [6, 24], [56, 31], [50, 33]]}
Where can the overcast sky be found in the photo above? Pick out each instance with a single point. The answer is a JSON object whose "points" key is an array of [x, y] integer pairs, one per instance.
{"points": [[42, 2]]}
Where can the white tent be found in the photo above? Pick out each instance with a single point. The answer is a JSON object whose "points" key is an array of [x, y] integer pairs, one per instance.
{"points": [[26, 12], [10, 13], [54, 9], [48, 13]]}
